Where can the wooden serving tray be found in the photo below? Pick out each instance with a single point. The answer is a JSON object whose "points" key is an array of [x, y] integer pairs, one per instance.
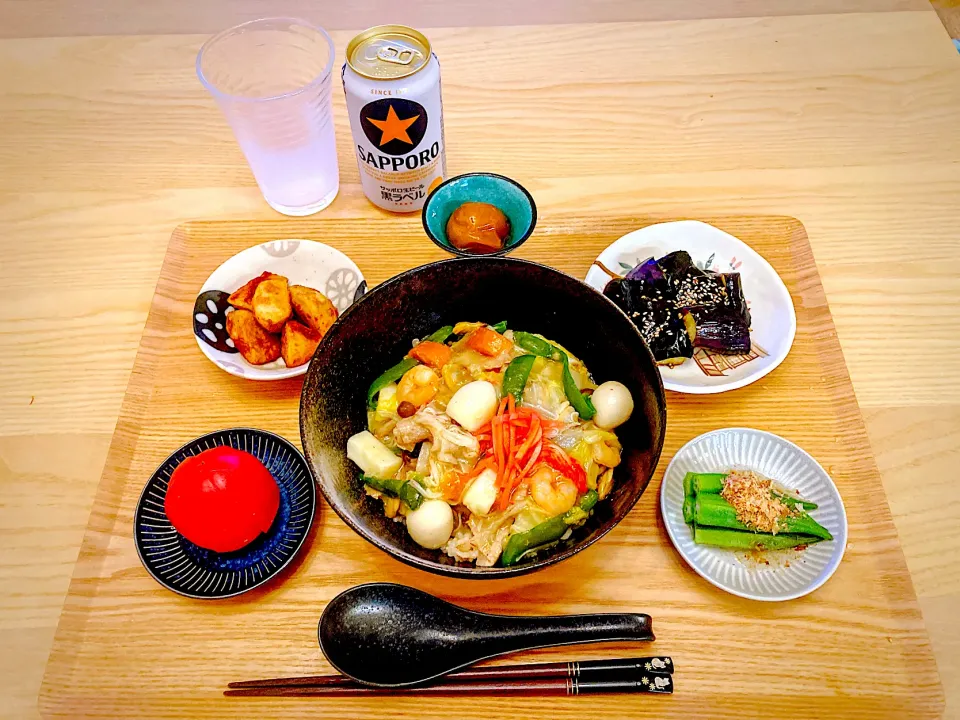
{"points": [[126, 647]]}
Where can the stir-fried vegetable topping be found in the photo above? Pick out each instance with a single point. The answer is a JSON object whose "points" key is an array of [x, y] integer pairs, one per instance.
{"points": [[484, 441], [539, 346]]}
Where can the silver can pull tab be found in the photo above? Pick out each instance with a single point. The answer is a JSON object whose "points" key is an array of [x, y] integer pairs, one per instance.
{"points": [[397, 54]]}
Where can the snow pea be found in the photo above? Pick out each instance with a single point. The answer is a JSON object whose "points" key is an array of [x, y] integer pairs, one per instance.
{"points": [[441, 335], [391, 375], [396, 372], [580, 402], [399, 488], [539, 346], [515, 376], [536, 345], [547, 532]]}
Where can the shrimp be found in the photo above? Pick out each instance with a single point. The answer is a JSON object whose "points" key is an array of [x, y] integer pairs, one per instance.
{"points": [[552, 491], [603, 454], [418, 386]]}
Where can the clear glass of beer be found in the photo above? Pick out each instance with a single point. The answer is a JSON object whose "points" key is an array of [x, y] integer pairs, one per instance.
{"points": [[272, 80]]}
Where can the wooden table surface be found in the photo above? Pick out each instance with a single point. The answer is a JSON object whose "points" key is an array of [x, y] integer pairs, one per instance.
{"points": [[842, 113]]}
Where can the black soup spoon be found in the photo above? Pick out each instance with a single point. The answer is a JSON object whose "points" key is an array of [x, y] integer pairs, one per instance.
{"points": [[389, 635]]}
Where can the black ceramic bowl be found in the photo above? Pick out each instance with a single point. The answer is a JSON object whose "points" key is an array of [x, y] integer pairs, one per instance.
{"points": [[375, 333]]}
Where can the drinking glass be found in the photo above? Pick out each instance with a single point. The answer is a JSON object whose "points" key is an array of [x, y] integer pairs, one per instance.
{"points": [[272, 80]]}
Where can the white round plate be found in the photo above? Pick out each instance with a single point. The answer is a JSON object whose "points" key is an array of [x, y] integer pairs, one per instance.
{"points": [[773, 320], [789, 466], [302, 262]]}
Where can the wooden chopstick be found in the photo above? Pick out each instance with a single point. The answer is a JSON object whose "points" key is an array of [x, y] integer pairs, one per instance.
{"points": [[581, 671], [636, 681]]}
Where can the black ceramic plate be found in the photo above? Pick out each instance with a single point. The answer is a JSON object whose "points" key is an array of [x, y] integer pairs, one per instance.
{"points": [[179, 565], [376, 332]]}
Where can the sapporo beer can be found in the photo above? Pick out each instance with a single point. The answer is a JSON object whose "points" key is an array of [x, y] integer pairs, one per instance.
{"points": [[392, 82]]}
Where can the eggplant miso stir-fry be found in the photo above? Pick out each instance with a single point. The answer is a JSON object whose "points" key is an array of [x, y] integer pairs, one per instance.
{"points": [[489, 443], [678, 307]]}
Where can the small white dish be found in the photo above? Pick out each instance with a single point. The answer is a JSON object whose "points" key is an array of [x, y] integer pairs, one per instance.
{"points": [[773, 320], [303, 262], [790, 467]]}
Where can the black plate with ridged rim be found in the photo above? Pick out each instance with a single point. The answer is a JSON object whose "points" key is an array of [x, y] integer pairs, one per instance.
{"points": [[187, 569], [376, 332]]}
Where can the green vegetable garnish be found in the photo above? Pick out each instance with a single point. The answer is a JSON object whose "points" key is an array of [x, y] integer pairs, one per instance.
{"points": [[703, 483], [794, 502], [396, 372], [500, 327], [441, 335], [740, 540], [714, 520], [536, 345], [391, 375], [515, 376], [580, 402], [548, 531], [539, 346], [714, 511], [398, 488], [712, 484]]}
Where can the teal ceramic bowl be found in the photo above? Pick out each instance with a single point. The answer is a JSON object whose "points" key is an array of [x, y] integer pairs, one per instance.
{"points": [[510, 196]]}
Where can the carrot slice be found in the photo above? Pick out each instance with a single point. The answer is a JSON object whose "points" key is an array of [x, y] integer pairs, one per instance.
{"points": [[511, 442], [532, 431], [498, 444], [487, 342], [434, 354], [531, 463], [525, 433]]}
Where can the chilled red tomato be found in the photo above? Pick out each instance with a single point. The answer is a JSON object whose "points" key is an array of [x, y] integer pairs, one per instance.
{"points": [[222, 499]]}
